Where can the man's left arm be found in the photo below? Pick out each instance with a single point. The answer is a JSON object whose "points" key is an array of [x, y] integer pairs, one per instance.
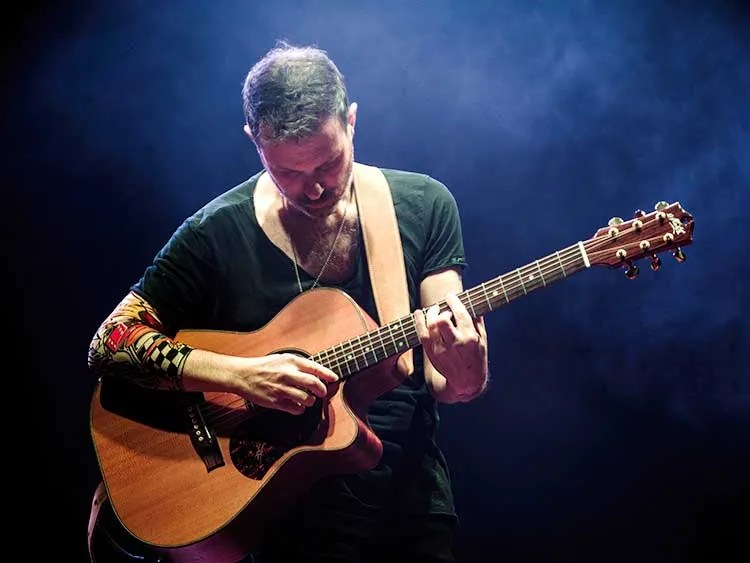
{"points": [[454, 344]]}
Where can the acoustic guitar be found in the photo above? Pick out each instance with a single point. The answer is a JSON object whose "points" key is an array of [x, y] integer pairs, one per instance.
{"points": [[199, 476]]}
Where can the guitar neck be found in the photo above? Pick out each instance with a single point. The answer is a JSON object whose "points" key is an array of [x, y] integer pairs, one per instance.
{"points": [[352, 356]]}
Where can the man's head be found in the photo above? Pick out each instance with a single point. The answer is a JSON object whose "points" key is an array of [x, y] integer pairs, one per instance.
{"points": [[298, 115], [290, 92]]}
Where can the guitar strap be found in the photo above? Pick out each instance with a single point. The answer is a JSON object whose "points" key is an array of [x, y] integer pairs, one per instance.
{"points": [[385, 256]]}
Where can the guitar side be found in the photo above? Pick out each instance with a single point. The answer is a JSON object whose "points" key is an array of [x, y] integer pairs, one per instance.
{"points": [[164, 493]]}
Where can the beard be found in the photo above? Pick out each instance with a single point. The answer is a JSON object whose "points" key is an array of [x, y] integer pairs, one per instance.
{"points": [[328, 202]]}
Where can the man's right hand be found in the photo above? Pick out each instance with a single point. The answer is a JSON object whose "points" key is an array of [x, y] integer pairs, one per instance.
{"points": [[286, 382]]}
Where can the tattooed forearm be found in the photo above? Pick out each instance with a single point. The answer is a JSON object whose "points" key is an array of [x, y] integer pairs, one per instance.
{"points": [[131, 343]]}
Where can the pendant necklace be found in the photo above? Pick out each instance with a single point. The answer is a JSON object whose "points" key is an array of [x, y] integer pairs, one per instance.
{"points": [[330, 252]]}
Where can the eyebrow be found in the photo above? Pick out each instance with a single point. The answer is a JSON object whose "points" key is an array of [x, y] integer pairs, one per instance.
{"points": [[326, 163]]}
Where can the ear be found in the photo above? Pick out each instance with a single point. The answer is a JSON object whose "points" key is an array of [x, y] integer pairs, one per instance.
{"points": [[246, 129], [352, 117]]}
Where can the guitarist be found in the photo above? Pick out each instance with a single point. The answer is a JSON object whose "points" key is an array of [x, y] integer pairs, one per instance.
{"points": [[235, 263]]}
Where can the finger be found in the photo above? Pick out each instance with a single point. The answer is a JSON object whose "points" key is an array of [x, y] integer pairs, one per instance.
{"points": [[432, 318], [292, 407], [420, 322], [310, 385], [298, 395], [435, 316], [319, 370], [460, 312], [481, 328], [447, 332], [438, 322], [429, 330]]}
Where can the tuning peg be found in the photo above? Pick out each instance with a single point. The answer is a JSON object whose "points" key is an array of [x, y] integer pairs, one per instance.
{"points": [[639, 213], [660, 205], [655, 262], [631, 270], [679, 255], [615, 222]]}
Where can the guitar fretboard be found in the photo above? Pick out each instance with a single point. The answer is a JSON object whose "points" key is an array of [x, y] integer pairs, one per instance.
{"points": [[354, 355]]}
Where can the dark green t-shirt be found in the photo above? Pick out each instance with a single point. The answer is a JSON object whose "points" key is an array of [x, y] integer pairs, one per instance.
{"points": [[220, 271]]}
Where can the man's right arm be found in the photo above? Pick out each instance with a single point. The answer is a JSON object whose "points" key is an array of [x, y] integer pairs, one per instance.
{"points": [[131, 343]]}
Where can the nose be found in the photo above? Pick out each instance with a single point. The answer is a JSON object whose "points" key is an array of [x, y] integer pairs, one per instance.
{"points": [[313, 190]]}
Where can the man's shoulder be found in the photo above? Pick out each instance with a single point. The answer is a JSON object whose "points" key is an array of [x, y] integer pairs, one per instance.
{"points": [[399, 176], [233, 200], [409, 181], [410, 184]]}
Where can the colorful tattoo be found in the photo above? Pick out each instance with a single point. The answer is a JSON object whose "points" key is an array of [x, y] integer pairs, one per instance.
{"points": [[131, 343]]}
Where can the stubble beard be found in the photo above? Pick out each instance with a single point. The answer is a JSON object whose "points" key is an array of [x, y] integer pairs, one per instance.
{"points": [[321, 215]]}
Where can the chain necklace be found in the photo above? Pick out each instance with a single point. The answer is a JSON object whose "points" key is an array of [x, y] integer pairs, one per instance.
{"points": [[330, 252]]}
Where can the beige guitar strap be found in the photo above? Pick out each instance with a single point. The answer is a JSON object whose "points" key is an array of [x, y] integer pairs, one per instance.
{"points": [[385, 256]]}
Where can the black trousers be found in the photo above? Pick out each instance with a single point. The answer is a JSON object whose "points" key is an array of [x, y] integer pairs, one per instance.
{"points": [[419, 539], [349, 531]]}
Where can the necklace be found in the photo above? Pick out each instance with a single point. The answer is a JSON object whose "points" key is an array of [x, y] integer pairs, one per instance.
{"points": [[330, 252]]}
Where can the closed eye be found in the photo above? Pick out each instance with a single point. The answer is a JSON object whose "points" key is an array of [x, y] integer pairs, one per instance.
{"points": [[330, 164]]}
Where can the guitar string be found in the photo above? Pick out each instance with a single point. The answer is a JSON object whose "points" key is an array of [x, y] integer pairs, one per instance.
{"points": [[552, 263], [478, 295], [383, 337], [378, 337]]}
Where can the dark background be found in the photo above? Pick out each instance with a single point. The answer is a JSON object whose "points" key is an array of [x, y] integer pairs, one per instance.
{"points": [[617, 426]]}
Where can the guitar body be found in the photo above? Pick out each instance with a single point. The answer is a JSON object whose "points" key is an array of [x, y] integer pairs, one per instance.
{"points": [[197, 476]]}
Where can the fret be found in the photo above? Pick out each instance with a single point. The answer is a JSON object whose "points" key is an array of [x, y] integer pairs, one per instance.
{"points": [[544, 283], [382, 344], [565, 275], [486, 297], [502, 286], [403, 332], [404, 342], [585, 256], [367, 349], [471, 305], [357, 350], [520, 278], [390, 333], [353, 357], [346, 365]]}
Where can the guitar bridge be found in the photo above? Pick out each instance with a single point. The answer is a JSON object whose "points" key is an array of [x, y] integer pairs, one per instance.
{"points": [[203, 440]]}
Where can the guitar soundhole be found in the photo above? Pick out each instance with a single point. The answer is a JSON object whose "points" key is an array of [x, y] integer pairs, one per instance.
{"points": [[268, 434]]}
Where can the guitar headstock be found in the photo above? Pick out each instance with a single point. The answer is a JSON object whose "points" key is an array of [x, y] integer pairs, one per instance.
{"points": [[621, 243]]}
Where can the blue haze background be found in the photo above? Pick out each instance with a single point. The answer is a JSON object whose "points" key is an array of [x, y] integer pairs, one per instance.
{"points": [[617, 425]]}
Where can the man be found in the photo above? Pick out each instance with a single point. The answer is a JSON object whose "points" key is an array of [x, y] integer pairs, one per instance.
{"points": [[291, 228]]}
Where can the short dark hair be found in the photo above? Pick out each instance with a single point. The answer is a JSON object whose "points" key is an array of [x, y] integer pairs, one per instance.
{"points": [[290, 91]]}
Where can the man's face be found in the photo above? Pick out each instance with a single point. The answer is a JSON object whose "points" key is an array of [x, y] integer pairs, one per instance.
{"points": [[314, 173]]}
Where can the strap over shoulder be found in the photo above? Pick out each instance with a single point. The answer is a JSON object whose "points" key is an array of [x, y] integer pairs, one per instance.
{"points": [[385, 256]]}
